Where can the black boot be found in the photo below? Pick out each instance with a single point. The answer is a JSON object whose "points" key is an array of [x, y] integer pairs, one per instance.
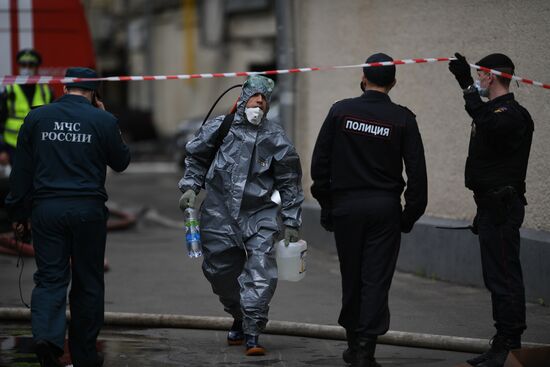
{"points": [[496, 355], [97, 363], [365, 352], [350, 354], [48, 355]]}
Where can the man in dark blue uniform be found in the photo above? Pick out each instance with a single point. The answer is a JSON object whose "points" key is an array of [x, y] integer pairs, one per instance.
{"points": [[500, 142], [58, 185], [357, 169]]}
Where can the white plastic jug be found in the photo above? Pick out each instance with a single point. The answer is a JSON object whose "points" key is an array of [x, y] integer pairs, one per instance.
{"points": [[291, 260]]}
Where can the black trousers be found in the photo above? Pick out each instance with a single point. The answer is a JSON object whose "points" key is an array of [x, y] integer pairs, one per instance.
{"points": [[499, 241], [69, 229], [368, 234]]}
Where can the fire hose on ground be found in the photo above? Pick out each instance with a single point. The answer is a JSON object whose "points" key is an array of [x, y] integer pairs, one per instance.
{"points": [[397, 338]]}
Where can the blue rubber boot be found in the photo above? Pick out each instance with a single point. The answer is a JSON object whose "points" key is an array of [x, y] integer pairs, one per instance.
{"points": [[253, 347], [235, 336]]}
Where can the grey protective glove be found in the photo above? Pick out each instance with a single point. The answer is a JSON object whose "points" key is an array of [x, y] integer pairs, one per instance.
{"points": [[291, 235], [187, 200]]}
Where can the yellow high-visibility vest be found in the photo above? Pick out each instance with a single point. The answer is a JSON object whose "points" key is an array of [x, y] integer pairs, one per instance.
{"points": [[18, 108]]}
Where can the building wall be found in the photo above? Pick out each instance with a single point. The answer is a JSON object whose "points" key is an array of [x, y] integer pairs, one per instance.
{"points": [[346, 32], [161, 38], [174, 101]]}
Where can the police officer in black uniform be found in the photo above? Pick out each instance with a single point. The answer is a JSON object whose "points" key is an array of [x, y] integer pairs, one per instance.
{"points": [[357, 169], [58, 185], [496, 166]]}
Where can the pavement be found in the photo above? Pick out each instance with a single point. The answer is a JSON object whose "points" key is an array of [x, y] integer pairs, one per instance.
{"points": [[151, 273]]}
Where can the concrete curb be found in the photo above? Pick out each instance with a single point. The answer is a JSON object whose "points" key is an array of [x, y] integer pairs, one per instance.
{"points": [[449, 255]]}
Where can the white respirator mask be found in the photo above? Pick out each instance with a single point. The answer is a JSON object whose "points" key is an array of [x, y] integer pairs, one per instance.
{"points": [[483, 92], [254, 115], [25, 71]]}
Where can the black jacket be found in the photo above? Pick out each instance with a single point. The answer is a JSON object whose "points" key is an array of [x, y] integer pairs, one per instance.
{"points": [[362, 146], [63, 150], [500, 141]]}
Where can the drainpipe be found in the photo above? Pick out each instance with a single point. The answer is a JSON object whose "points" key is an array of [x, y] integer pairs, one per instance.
{"points": [[285, 60]]}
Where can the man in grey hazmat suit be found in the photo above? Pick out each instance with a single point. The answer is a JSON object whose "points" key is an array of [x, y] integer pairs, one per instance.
{"points": [[238, 218]]}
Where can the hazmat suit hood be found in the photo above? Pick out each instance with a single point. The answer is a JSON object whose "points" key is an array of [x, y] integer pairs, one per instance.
{"points": [[254, 84]]}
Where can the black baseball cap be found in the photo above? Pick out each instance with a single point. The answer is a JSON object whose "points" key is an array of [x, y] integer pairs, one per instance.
{"points": [[80, 72], [379, 75]]}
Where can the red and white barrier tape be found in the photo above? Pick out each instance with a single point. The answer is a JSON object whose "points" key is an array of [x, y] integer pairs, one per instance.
{"points": [[37, 79], [510, 76]]}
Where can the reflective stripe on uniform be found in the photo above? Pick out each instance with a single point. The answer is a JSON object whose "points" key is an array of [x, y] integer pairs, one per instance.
{"points": [[18, 108]]}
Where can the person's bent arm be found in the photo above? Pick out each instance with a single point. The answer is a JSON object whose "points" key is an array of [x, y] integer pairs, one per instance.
{"points": [[118, 155], [18, 201], [416, 194], [321, 162], [287, 173], [199, 154]]}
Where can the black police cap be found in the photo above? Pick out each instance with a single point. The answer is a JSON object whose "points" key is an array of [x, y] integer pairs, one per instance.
{"points": [[497, 62], [82, 73], [379, 75]]}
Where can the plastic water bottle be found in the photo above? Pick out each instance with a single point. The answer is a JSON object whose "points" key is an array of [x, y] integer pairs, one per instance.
{"points": [[192, 233], [291, 260]]}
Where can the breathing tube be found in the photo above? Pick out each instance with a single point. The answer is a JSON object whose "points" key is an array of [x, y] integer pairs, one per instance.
{"points": [[217, 100]]}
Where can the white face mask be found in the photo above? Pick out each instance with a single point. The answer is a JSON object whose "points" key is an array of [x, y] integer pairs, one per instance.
{"points": [[25, 71], [483, 92], [254, 115]]}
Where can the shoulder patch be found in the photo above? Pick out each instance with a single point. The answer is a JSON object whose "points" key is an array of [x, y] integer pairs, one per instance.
{"points": [[501, 109]]}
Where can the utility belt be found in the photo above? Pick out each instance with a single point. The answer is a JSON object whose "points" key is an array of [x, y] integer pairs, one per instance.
{"points": [[498, 201]]}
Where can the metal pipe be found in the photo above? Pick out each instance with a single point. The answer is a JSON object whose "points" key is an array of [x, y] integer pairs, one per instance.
{"points": [[147, 49], [398, 338]]}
